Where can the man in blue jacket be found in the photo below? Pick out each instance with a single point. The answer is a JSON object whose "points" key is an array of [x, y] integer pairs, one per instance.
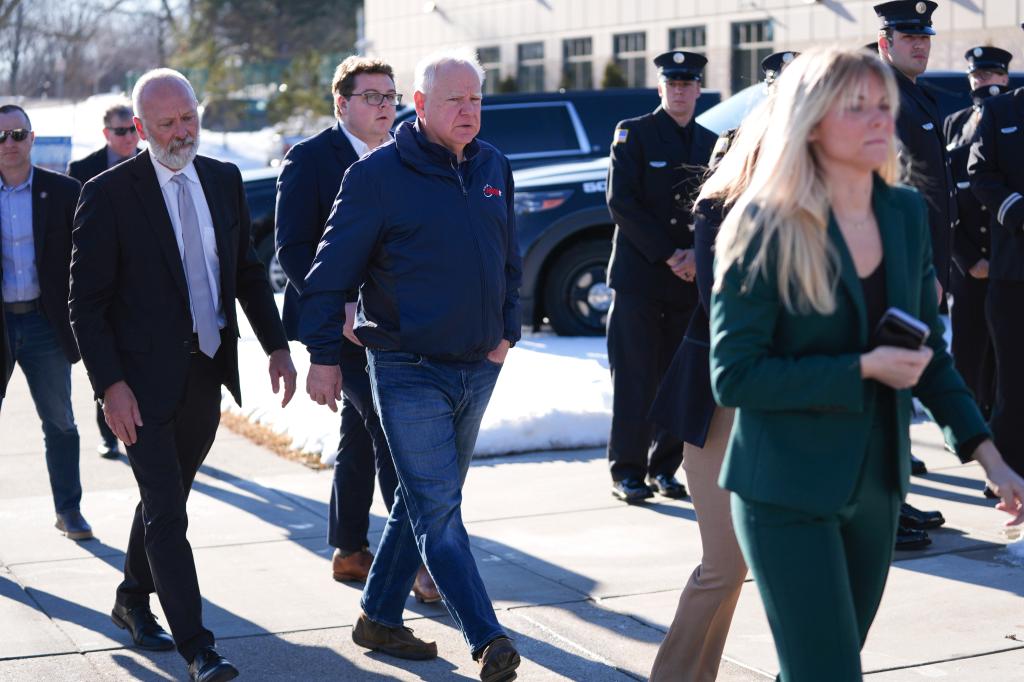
{"points": [[364, 104], [424, 227]]}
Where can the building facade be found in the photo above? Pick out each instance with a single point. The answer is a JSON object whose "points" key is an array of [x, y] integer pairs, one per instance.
{"points": [[550, 44]]}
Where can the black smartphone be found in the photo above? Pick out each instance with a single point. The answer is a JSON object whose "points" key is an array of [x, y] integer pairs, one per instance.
{"points": [[897, 328]]}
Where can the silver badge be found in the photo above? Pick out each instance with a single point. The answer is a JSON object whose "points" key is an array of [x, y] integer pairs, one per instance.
{"points": [[679, 57], [921, 8], [787, 57], [993, 90], [978, 52]]}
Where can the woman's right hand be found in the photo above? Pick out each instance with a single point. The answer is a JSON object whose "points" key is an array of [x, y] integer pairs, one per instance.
{"points": [[897, 368]]}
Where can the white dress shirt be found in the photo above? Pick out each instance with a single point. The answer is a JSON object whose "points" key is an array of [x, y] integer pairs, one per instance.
{"points": [[164, 175], [360, 147]]}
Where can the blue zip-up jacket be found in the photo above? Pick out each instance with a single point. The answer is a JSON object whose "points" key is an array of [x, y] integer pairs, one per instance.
{"points": [[431, 246]]}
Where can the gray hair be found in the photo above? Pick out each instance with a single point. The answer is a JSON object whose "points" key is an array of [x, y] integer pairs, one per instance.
{"points": [[427, 68], [153, 76]]}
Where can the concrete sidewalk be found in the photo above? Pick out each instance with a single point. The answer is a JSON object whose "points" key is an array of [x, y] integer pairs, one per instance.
{"points": [[586, 585]]}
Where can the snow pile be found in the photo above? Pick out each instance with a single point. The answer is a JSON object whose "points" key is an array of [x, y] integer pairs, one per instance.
{"points": [[1016, 548], [552, 393]]}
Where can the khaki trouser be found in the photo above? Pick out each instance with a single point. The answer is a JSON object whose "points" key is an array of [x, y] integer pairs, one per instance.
{"points": [[692, 649]]}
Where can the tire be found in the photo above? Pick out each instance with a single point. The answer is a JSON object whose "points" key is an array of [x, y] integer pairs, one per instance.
{"points": [[275, 273], [576, 298]]}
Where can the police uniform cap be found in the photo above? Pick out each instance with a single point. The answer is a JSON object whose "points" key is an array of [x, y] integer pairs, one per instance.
{"points": [[678, 65], [773, 64], [913, 17], [985, 57]]}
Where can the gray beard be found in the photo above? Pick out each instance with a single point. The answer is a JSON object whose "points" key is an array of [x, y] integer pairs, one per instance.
{"points": [[177, 159]]}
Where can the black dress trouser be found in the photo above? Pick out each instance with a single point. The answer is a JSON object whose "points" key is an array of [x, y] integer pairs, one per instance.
{"points": [[1004, 309], [973, 354], [643, 334], [362, 450], [165, 458]]}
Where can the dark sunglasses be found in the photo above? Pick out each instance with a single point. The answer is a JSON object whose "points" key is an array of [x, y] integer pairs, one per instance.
{"points": [[18, 135], [122, 131]]}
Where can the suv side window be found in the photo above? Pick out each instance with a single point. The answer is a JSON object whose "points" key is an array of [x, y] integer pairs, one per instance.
{"points": [[554, 129]]}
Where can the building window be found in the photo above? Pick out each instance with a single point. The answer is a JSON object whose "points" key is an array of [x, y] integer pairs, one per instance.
{"points": [[751, 42], [531, 67], [691, 39], [490, 59], [577, 65], [630, 50]]}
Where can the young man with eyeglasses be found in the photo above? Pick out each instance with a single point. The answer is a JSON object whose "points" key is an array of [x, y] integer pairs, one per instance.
{"points": [[122, 144], [364, 104], [37, 210]]}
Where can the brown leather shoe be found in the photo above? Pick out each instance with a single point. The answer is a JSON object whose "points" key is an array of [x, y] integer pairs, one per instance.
{"points": [[352, 568], [424, 588], [498, 661], [397, 642]]}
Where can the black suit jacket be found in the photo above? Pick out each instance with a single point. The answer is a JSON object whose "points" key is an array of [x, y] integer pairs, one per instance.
{"points": [[653, 177], [919, 128], [129, 297], [306, 189], [87, 168], [971, 241], [997, 179], [53, 210]]}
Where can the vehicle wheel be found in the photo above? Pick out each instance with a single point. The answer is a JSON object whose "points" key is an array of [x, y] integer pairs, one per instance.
{"points": [[576, 296], [275, 273]]}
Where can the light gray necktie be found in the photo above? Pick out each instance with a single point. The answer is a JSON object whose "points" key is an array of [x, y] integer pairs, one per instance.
{"points": [[203, 310]]}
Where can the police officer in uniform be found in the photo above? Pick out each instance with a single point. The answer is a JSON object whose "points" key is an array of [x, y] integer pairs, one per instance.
{"points": [[771, 68], [987, 71], [657, 163], [997, 179], [904, 42]]}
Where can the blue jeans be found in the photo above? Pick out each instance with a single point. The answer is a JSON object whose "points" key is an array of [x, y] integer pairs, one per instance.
{"points": [[48, 373], [431, 414]]}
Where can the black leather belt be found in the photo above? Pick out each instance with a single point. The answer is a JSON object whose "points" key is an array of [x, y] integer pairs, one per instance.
{"points": [[21, 307]]}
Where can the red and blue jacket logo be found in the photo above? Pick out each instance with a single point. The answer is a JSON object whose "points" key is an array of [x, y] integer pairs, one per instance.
{"points": [[491, 191]]}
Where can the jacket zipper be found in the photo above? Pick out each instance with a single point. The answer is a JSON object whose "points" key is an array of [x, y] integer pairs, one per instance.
{"points": [[479, 252]]}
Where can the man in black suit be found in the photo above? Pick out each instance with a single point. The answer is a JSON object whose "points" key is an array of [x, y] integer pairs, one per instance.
{"points": [[122, 144], [162, 250], [37, 208], [904, 42], [364, 104], [988, 74], [657, 162]]}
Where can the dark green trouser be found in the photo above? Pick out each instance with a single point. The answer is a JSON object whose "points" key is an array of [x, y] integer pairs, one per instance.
{"points": [[821, 577]]}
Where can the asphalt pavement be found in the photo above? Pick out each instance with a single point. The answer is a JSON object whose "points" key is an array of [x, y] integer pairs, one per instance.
{"points": [[586, 585]]}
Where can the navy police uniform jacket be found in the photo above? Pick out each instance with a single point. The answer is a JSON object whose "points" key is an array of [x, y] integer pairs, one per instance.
{"points": [[430, 244], [924, 151], [655, 173], [997, 179], [971, 241]]}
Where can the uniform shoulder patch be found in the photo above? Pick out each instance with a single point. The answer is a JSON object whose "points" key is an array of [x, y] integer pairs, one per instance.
{"points": [[620, 135]]}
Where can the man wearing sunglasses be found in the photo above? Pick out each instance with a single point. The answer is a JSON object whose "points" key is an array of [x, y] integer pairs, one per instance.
{"points": [[364, 104], [122, 144], [37, 209]]}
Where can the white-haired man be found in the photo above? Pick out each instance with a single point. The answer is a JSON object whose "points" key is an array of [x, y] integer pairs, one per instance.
{"points": [[161, 253], [424, 228]]}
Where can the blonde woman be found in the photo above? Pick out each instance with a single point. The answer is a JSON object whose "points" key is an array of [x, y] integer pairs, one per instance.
{"points": [[817, 246]]}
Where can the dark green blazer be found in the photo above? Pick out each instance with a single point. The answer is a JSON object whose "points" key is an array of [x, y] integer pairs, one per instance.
{"points": [[804, 412]]}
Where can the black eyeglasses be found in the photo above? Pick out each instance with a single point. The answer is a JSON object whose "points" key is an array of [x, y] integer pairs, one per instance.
{"points": [[18, 135], [374, 99], [122, 131]]}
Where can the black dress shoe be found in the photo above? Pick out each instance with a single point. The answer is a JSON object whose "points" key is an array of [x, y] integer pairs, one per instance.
{"points": [[909, 539], [910, 517], [73, 525], [917, 467], [141, 624], [209, 666], [108, 451], [667, 486], [631, 490], [989, 493]]}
